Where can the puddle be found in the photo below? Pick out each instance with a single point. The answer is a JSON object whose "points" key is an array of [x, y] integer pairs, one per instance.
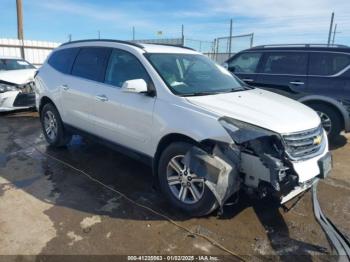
{"points": [[26, 182], [3, 160]]}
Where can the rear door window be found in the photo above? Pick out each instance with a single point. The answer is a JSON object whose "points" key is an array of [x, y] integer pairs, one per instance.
{"points": [[327, 63], [63, 59], [91, 63], [291, 63], [245, 63], [123, 66]]}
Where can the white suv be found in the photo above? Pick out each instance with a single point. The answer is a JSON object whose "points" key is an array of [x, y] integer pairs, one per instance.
{"points": [[205, 133]]}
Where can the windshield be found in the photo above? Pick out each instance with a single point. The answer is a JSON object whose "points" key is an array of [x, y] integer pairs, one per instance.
{"points": [[193, 74], [14, 64]]}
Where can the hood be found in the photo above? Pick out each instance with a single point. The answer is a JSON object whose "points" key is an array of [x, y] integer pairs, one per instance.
{"points": [[261, 108], [18, 77]]}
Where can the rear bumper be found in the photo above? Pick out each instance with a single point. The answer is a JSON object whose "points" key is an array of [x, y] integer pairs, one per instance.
{"points": [[14, 100]]}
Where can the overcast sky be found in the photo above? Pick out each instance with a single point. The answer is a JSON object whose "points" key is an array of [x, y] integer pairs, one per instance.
{"points": [[272, 21]]}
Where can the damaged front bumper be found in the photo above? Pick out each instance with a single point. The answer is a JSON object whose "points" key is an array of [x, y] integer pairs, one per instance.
{"points": [[259, 160], [18, 97], [293, 180]]}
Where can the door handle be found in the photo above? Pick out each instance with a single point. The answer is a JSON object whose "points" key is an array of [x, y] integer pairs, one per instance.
{"points": [[65, 87], [247, 80], [297, 83], [102, 98]]}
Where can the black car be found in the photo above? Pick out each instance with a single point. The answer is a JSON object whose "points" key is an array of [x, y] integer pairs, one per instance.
{"points": [[316, 75]]}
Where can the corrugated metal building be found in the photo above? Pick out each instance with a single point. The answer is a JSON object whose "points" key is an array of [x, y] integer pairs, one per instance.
{"points": [[34, 52]]}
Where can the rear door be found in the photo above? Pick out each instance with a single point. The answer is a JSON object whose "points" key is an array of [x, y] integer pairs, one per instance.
{"points": [[78, 91], [327, 74], [244, 65], [124, 118], [284, 72]]}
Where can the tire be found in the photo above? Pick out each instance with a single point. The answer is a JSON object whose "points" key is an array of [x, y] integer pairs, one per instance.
{"points": [[205, 202], [50, 119], [336, 121]]}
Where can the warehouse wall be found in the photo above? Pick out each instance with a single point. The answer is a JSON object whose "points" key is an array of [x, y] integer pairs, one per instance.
{"points": [[35, 52]]}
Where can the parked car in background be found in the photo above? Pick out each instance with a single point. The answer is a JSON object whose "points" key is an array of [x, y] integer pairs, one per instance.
{"points": [[16, 84], [316, 75], [204, 133]]}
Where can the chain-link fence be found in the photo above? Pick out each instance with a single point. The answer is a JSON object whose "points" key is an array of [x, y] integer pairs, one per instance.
{"points": [[200, 45], [168, 41], [225, 47]]}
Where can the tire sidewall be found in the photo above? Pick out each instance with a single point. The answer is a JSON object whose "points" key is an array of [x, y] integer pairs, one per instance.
{"points": [[333, 116], [60, 131], [205, 205]]}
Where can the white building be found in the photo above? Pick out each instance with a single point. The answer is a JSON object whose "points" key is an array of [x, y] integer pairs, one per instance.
{"points": [[35, 52]]}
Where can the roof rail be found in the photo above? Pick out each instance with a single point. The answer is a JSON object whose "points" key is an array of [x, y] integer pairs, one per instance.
{"points": [[104, 40], [181, 46], [299, 45]]}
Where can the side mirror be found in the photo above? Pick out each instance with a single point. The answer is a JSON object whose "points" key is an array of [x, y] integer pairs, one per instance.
{"points": [[225, 65], [135, 86]]}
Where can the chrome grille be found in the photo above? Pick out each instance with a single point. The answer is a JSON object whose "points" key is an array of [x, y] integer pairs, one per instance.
{"points": [[304, 144]]}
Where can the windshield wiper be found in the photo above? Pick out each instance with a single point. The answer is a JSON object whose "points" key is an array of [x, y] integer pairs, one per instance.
{"points": [[202, 93]]}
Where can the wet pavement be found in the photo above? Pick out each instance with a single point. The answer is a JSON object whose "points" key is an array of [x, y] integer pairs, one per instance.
{"points": [[48, 206]]}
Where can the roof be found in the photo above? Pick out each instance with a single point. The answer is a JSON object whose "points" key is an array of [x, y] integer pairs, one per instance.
{"points": [[163, 48], [303, 47], [149, 48]]}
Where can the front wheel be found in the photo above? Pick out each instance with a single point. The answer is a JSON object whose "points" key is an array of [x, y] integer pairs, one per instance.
{"points": [[183, 188]]}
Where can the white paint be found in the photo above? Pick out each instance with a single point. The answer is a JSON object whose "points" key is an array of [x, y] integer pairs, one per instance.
{"points": [[205, 247], [90, 221], [74, 237]]}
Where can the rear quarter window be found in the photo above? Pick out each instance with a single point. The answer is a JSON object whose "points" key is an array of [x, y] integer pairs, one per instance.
{"points": [[327, 63], [62, 60]]}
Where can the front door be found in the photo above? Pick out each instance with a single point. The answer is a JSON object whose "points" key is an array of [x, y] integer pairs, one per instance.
{"points": [[124, 118], [244, 65]]}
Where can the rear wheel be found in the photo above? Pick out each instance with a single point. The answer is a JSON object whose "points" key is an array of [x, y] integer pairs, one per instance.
{"points": [[183, 188], [52, 126], [331, 120]]}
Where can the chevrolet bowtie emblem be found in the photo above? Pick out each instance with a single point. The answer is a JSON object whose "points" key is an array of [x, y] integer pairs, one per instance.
{"points": [[317, 140]]}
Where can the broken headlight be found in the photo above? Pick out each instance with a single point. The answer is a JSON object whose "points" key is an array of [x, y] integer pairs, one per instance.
{"points": [[5, 88], [242, 132]]}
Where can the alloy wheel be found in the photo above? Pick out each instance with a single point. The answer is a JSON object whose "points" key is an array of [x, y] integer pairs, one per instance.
{"points": [[50, 125], [326, 121], [184, 184]]}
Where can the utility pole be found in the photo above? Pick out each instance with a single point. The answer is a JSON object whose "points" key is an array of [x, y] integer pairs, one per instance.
{"points": [[20, 35], [330, 29], [99, 34], [252, 40], [230, 39], [182, 35], [69, 37], [334, 33], [133, 33]]}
